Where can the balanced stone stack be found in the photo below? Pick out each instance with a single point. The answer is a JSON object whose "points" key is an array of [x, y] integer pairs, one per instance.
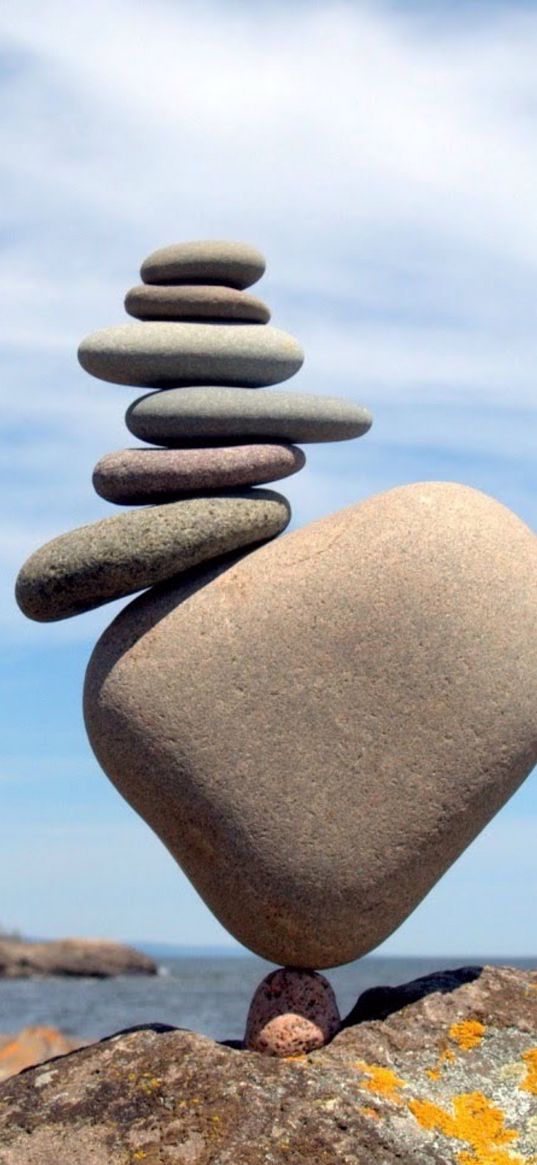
{"points": [[205, 343], [315, 727]]}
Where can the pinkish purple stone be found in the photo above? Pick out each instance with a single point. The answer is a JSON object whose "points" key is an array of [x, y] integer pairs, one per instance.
{"points": [[138, 476]]}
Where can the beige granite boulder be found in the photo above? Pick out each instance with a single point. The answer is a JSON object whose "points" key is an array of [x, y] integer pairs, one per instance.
{"points": [[318, 731]]}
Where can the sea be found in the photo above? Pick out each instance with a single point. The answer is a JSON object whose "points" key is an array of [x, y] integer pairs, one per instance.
{"points": [[205, 992]]}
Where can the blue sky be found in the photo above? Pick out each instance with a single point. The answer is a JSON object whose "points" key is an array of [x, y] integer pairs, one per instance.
{"points": [[384, 157]]}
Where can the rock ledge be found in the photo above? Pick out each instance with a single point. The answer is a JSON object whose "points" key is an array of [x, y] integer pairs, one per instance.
{"points": [[441, 1070]]}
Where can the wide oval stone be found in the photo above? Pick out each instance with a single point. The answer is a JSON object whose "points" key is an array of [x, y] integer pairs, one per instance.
{"points": [[138, 476], [192, 302], [123, 554], [318, 731], [205, 260], [195, 415], [158, 354]]}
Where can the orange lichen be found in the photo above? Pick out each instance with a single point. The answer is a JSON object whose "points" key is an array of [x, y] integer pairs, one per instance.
{"points": [[529, 1084], [467, 1034], [446, 1056], [369, 1112], [382, 1081], [474, 1120], [300, 1058]]}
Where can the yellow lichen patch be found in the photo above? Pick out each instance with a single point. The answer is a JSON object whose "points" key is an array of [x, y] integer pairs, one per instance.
{"points": [[445, 1058], [474, 1121], [529, 1084], [467, 1034], [300, 1058], [382, 1081]]}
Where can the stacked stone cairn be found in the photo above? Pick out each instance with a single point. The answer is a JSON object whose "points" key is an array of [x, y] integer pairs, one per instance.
{"points": [[316, 726], [204, 343]]}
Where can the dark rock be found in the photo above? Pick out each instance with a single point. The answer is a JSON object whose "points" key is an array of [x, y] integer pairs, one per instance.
{"points": [[449, 1079]]}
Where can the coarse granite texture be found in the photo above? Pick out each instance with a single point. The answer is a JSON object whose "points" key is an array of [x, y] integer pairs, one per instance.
{"points": [[330, 721], [196, 415], [123, 554], [194, 302], [160, 354], [138, 476], [446, 1076], [205, 261]]}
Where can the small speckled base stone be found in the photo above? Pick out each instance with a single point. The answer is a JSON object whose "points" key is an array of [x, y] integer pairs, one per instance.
{"points": [[139, 476], [187, 302], [205, 261], [293, 1011]]}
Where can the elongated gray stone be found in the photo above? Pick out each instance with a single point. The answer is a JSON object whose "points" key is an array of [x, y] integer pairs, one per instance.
{"points": [[192, 302], [128, 552], [330, 721], [161, 355], [195, 415], [137, 476], [205, 261]]}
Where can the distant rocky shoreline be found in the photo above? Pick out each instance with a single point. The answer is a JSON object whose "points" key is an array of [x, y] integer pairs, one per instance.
{"points": [[95, 958]]}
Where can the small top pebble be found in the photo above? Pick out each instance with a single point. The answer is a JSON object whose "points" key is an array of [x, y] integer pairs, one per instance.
{"points": [[207, 261]]}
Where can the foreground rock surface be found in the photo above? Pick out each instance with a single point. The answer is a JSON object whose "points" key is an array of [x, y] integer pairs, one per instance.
{"points": [[329, 722], [98, 958], [442, 1071]]}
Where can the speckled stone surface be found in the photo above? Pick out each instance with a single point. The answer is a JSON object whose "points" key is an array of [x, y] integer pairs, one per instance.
{"points": [[193, 302], [329, 722], [204, 261], [291, 1013], [446, 1075], [161, 354], [219, 414], [123, 554], [137, 476]]}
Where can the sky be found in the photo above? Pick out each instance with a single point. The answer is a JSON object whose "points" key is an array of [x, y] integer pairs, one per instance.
{"points": [[383, 156]]}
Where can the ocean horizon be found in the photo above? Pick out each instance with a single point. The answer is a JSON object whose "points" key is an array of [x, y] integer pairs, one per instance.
{"points": [[207, 990]]}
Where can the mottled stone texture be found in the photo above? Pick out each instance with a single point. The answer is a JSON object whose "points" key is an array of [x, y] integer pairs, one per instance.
{"points": [[329, 722], [118, 556], [184, 302], [204, 261], [195, 415], [449, 1077], [135, 476], [163, 354], [292, 1012]]}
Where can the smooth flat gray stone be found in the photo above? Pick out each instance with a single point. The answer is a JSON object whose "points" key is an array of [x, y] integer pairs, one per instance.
{"points": [[130, 551], [140, 476], [194, 302], [195, 415], [166, 354], [205, 261]]}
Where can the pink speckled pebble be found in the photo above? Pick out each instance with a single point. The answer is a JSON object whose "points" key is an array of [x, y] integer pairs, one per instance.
{"points": [[292, 1012]]}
